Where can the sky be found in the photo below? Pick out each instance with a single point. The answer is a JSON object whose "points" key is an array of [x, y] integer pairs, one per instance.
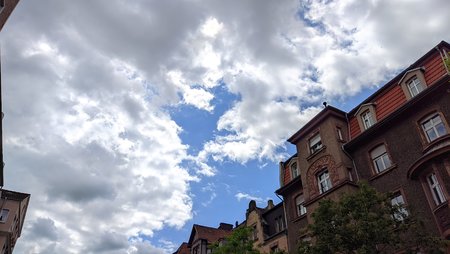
{"points": [[129, 121]]}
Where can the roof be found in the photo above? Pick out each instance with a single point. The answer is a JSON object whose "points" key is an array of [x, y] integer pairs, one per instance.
{"points": [[399, 76], [211, 235], [322, 115], [296, 182], [13, 195], [183, 249]]}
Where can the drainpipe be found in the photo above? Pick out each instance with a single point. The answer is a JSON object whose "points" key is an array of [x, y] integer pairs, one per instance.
{"points": [[348, 155], [285, 215], [443, 58]]}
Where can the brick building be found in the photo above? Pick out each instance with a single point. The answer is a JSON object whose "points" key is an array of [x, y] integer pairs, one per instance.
{"points": [[268, 225], [398, 140], [202, 237], [13, 207]]}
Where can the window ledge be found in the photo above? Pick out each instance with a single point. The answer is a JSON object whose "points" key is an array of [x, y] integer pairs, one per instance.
{"points": [[389, 169], [436, 143], [315, 153], [440, 206], [299, 217]]}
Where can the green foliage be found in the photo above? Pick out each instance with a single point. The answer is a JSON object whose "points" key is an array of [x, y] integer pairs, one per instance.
{"points": [[363, 222], [447, 61], [237, 243]]}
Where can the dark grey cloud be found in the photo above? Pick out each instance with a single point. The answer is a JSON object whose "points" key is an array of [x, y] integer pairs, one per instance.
{"points": [[44, 228]]}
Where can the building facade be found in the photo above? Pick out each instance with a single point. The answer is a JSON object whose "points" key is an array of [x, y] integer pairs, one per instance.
{"points": [[13, 208], [268, 226], [202, 237], [398, 140]]}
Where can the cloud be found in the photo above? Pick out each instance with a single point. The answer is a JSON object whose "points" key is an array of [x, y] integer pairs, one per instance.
{"points": [[87, 91], [249, 197], [44, 228]]}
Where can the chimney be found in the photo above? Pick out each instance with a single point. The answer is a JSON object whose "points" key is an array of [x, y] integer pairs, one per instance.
{"points": [[269, 204], [226, 226]]}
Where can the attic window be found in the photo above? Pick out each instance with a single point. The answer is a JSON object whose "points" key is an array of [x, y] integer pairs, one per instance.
{"points": [[413, 82], [4, 215], [366, 116], [294, 170], [367, 119]]}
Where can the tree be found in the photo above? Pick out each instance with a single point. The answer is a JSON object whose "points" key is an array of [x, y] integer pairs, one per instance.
{"points": [[366, 222], [237, 243]]}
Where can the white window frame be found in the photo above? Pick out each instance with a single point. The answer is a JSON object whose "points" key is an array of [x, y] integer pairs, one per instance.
{"points": [[367, 119], [436, 124], [380, 159], [435, 189], [324, 181], [315, 143], [399, 201], [299, 200], [294, 170], [339, 133], [414, 86]]}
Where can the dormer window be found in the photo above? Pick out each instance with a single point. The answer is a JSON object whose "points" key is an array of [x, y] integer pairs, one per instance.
{"points": [[414, 86], [366, 116], [413, 82], [315, 143], [294, 170], [367, 119]]}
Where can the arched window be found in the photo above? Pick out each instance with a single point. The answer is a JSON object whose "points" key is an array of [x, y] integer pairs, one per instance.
{"points": [[324, 181]]}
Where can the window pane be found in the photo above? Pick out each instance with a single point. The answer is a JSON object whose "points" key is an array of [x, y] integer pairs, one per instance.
{"points": [[435, 189], [387, 162], [441, 129], [431, 134], [427, 125], [379, 165], [401, 210]]}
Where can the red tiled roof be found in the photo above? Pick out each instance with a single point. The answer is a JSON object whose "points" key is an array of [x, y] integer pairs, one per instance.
{"points": [[209, 234], [183, 249]]}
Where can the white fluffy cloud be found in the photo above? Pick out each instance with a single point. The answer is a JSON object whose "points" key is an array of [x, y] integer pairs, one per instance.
{"points": [[86, 88]]}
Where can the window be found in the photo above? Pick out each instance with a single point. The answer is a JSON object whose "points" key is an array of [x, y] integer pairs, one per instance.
{"points": [[274, 249], [254, 233], [399, 203], [324, 181], [279, 224], [350, 174], [294, 170], [414, 86], [4, 215], [367, 119], [413, 82], [339, 134], [433, 127], [380, 159], [435, 188], [299, 204], [315, 143]]}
